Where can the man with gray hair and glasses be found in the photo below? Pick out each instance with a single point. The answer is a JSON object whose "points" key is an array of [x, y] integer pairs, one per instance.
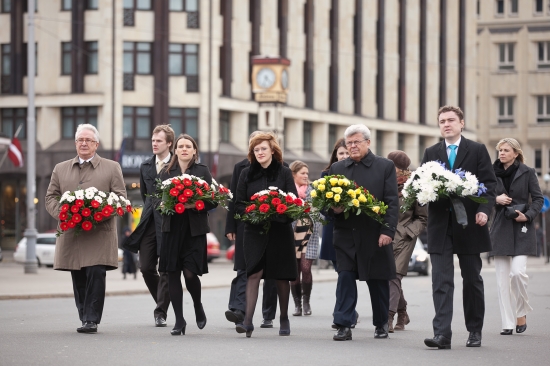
{"points": [[363, 246]]}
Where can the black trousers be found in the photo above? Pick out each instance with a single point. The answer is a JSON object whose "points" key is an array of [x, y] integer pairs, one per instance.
{"points": [[443, 289], [89, 292], [237, 295], [346, 300], [156, 283]]}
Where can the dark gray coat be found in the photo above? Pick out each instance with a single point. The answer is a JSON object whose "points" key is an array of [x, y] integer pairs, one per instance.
{"points": [[356, 238], [506, 235]]}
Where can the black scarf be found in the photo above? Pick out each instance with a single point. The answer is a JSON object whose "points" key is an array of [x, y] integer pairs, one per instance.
{"points": [[507, 175], [256, 171]]}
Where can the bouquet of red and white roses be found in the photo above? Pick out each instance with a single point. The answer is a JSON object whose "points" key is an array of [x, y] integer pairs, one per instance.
{"points": [[83, 209], [269, 203], [176, 192]]}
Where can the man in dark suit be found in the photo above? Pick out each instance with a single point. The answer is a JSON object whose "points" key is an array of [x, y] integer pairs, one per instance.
{"points": [[234, 230], [446, 237], [363, 246], [147, 236]]}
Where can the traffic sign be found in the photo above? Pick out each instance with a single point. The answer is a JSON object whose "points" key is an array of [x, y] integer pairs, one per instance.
{"points": [[546, 205]]}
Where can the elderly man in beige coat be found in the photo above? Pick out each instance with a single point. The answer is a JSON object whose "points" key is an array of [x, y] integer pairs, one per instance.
{"points": [[89, 254]]}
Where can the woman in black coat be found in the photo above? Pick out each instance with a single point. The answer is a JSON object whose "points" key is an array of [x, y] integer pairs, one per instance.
{"points": [[268, 255], [514, 239], [183, 246]]}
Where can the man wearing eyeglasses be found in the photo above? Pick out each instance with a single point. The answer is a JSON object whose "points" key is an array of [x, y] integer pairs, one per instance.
{"points": [[363, 246], [89, 254]]}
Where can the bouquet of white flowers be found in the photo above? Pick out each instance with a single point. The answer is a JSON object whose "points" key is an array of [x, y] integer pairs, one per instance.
{"points": [[432, 181]]}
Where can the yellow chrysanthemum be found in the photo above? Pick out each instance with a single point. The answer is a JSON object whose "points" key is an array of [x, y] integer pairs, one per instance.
{"points": [[340, 182], [336, 198], [321, 187], [355, 202], [376, 209], [313, 194], [333, 181], [337, 190], [362, 198], [358, 191], [346, 182], [314, 184], [329, 195], [351, 193]]}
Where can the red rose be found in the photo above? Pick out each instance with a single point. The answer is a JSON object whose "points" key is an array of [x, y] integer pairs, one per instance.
{"points": [[253, 197], [180, 187], [252, 207], [179, 208], [188, 193], [95, 204], [263, 198], [129, 208], [187, 182], [76, 218], [307, 210], [199, 205], [65, 207], [213, 195], [64, 226], [86, 212], [275, 202], [71, 224], [86, 225], [176, 181], [174, 192], [289, 199], [119, 211], [274, 193], [79, 203], [199, 191], [264, 208], [63, 216], [298, 202], [98, 216], [182, 198], [75, 208], [281, 209]]}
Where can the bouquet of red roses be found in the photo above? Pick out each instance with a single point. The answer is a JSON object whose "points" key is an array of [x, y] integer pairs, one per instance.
{"points": [[269, 203], [176, 192], [83, 209]]}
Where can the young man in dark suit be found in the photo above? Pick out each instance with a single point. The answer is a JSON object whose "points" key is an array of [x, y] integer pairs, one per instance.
{"points": [[147, 236], [446, 237]]}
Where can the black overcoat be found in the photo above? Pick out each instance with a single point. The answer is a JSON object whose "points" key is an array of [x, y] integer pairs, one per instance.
{"points": [[473, 239], [506, 235], [277, 246], [147, 178], [356, 238]]}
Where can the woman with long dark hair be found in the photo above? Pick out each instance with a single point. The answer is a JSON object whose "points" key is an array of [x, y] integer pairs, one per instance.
{"points": [[183, 246], [268, 255]]}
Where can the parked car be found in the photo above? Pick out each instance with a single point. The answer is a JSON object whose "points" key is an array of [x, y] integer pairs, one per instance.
{"points": [[420, 260], [230, 253], [45, 250], [212, 247]]}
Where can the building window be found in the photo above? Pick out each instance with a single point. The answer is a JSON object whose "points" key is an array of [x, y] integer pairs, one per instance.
{"points": [[137, 4], [91, 57], [478, 8], [401, 142], [137, 60], [92, 5], [183, 59], [421, 147], [71, 117], [225, 129], [514, 7], [184, 120], [307, 136], [136, 122], [544, 55], [192, 9], [538, 6], [12, 118], [506, 110], [6, 6], [252, 123], [538, 161], [543, 108], [379, 142], [506, 56], [66, 58], [6, 69], [331, 138], [66, 4], [499, 7]]}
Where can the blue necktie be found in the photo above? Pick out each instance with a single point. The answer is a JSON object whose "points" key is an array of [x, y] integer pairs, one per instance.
{"points": [[452, 155]]}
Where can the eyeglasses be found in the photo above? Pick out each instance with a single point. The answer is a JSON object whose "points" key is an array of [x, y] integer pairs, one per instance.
{"points": [[356, 143], [87, 141]]}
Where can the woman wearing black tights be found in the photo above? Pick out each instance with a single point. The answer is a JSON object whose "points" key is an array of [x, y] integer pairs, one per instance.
{"points": [[271, 255], [183, 246]]}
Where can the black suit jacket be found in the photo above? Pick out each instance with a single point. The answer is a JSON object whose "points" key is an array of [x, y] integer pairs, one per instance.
{"points": [[473, 239]]}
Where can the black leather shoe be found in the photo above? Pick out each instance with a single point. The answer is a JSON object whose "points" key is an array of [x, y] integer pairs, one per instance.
{"points": [[179, 330], [522, 328], [160, 321], [438, 341], [474, 340], [507, 332], [89, 327], [381, 332], [343, 334], [200, 316], [234, 316], [266, 323]]}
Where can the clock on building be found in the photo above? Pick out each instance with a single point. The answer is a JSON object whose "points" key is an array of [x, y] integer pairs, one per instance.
{"points": [[270, 78], [265, 78]]}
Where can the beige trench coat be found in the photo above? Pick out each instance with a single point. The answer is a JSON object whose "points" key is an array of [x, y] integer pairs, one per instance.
{"points": [[100, 245], [410, 225]]}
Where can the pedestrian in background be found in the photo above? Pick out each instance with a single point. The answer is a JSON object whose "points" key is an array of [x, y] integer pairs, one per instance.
{"points": [[514, 238], [411, 223]]}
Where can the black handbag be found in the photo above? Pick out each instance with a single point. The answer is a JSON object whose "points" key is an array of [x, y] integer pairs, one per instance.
{"points": [[510, 211]]}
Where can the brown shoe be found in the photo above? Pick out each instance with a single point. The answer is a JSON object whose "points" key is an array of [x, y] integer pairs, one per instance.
{"points": [[402, 319], [390, 321]]}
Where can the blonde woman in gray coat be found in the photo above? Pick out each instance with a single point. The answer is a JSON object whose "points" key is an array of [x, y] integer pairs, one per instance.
{"points": [[514, 238]]}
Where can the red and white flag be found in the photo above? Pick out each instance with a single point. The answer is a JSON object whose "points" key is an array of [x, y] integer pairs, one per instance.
{"points": [[15, 153]]}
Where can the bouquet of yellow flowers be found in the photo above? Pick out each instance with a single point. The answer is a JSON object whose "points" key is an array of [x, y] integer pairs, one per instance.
{"points": [[338, 191]]}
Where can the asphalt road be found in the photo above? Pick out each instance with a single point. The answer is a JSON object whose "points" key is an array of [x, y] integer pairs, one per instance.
{"points": [[42, 332]]}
